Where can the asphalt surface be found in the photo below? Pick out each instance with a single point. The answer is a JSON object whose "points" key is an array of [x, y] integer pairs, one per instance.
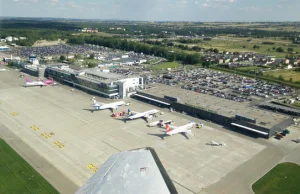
{"points": [[45, 168], [80, 138]]}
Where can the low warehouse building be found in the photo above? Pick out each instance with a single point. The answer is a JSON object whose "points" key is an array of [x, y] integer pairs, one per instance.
{"points": [[239, 116]]}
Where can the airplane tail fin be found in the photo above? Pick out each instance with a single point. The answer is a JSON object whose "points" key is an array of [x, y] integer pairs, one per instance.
{"points": [[27, 80], [96, 103], [128, 111], [168, 129]]}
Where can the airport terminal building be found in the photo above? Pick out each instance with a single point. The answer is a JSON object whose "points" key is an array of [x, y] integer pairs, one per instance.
{"points": [[105, 84], [242, 117]]}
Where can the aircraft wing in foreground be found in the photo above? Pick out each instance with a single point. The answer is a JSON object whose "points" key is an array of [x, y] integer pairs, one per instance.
{"points": [[133, 171]]}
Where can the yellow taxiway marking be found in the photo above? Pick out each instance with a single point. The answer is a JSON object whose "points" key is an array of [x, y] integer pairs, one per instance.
{"points": [[14, 113], [34, 127], [45, 135], [92, 167], [58, 144]]}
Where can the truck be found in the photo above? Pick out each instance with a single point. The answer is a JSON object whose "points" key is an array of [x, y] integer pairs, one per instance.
{"points": [[199, 125], [279, 136]]}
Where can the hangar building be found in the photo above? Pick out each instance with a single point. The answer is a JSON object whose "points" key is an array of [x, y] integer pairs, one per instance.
{"points": [[243, 117]]}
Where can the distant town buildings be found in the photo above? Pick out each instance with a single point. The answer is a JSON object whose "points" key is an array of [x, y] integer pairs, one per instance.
{"points": [[123, 29], [89, 30]]}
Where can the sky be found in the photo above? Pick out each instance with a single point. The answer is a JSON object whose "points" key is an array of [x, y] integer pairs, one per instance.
{"points": [[156, 10]]}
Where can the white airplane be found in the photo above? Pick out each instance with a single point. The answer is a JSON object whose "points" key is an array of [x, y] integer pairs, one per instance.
{"points": [[144, 115], [213, 143], [183, 130], [34, 83], [111, 106], [160, 123], [3, 70]]}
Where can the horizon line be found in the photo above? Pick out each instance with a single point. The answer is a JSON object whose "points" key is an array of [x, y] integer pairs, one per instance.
{"points": [[216, 21]]}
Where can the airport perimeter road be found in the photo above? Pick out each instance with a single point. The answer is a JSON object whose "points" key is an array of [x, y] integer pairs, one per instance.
{"points": [[40, 164], [241, 179]]}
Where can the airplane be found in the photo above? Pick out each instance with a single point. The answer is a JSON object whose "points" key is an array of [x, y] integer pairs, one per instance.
{"points": [[39, 83], [213, 143], [3, 70], [183, 130], [49, 81], [102, 106], [160, 123], [144, 115], [133, 171]]}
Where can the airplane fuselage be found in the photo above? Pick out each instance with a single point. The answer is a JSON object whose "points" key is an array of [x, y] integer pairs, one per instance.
{"points": [[143, 114], [181, 129], [38, 83], [113, 105]]}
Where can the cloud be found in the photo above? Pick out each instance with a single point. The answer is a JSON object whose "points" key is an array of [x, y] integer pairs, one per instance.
{"points": [[255, 9], [52, 2], [26, 1], [205, 5], [220, 1], [72, 4]]}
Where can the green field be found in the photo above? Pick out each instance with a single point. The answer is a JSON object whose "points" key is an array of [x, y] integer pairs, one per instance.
{"points": [[249, 68], [235, 44], [166, 65], [285, 73], [17, 176], [282, 179]]}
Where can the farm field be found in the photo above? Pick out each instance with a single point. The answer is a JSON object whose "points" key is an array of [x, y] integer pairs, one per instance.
{"points": [[249, 68], [17, 176], [282, 179], [166, 65], [237, 45], [285, 73]]}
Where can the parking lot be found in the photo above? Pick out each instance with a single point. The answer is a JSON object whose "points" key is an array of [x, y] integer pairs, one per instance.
{"points": [[223, 85], [53, 121]]}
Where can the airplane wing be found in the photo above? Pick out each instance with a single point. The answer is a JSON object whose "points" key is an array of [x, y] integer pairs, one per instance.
{"points": [[133, 171], [184, 135], [111, 110], [190, 132], [145, 119]]}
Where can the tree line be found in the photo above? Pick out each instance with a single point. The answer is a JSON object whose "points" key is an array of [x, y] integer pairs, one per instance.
{"points": [[32, 35], [123, 44]]}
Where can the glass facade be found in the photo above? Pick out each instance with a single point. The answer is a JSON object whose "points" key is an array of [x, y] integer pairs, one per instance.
{"points": [[57, 74], [91, 82], [99, 86]]}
